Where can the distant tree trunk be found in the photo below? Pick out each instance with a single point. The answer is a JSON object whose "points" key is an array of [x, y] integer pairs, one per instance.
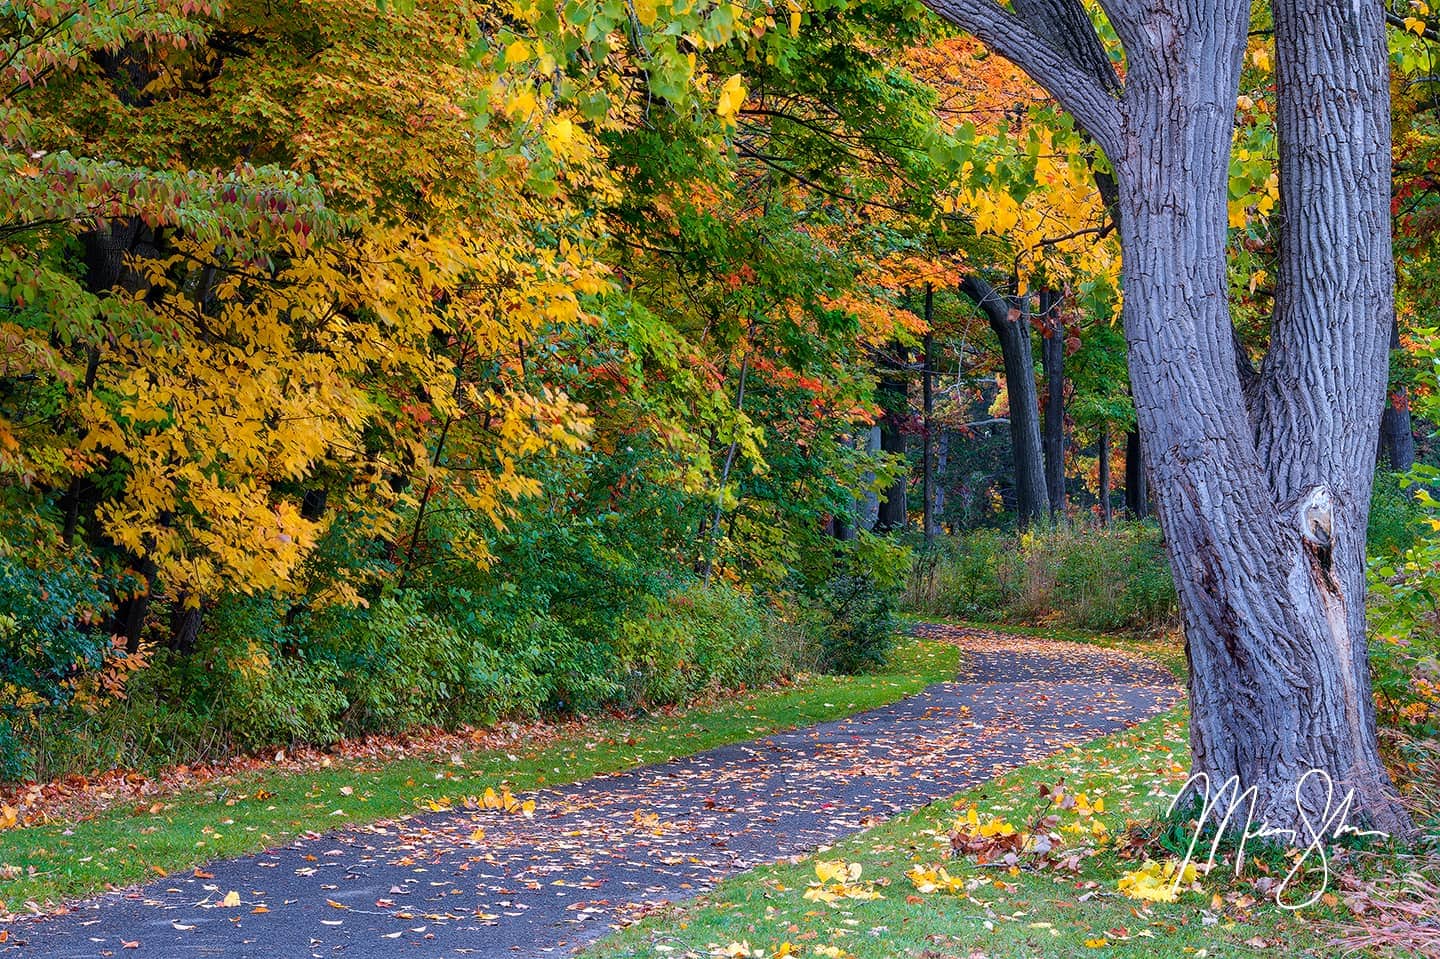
{"points": [[1105, 475], [1010, 320], [1397, 437], [131, 612], [895, 401], [1137, 488], [184, 626], [942, 463], [928, 407], [869, 505], [1052, 360]]}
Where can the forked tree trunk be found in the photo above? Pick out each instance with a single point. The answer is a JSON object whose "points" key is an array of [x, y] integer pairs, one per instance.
{"points": [[1263, 494]]}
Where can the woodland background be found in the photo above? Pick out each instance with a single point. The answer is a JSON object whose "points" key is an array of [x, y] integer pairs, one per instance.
{"points": [[371, 368]]}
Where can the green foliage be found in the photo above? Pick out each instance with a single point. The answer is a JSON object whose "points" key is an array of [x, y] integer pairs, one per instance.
{"points": [[698, 640], [1404, 586], [1113, 578], [435, 408], [246, 683], [400, 665], [1394, 516], [850, 613], [51, 601]]}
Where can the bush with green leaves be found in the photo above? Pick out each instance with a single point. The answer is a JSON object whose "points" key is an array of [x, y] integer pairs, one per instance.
{"points": [[695, 640], [1095, 578], [1395, 515], [52, 610], [850, 612]]}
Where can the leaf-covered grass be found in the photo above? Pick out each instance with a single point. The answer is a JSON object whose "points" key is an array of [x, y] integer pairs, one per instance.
{"points": [[1024, 913], [253, 811]]}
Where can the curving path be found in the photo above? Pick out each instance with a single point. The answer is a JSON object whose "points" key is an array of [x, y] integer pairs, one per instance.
{"points": [[602, 852]]}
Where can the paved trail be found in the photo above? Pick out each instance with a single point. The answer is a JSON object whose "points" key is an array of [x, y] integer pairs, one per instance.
{"points": [[604, 851]]}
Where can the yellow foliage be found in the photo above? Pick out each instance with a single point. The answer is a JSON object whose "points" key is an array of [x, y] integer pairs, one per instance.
{"points": [[837, 880], [1157, 882]]}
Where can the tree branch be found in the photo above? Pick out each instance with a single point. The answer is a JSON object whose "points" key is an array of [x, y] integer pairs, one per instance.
{"points": [[1078, 92], [1066, 26]]}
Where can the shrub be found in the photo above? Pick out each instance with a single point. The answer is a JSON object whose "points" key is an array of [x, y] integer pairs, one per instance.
{"points": [[1112, 578], [51, 610], [694, 640], [851, 615], [569, 672], [976, 577], [1394, 516], [250, 683]]}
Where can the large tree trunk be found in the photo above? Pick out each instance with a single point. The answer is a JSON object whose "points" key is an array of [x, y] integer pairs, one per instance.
{"points": [[868, 507], [1052, 361], [1397, 436], [1010, 320], [1263, 494], [1265, 510]]}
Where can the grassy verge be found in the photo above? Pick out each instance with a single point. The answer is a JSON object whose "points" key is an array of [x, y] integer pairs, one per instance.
{"points": [[253, 811], [1024, 912]]}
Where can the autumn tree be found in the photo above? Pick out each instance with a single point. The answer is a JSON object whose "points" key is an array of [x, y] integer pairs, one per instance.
{"points": [[1262, 477]]}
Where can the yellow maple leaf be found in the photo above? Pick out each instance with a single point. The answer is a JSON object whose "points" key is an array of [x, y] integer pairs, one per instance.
{"points": [[732, 97]]}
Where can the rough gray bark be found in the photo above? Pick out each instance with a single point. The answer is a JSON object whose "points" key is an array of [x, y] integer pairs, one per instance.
{"points": [[1011, 323], [1052, 362], [1264, 498], [1397, 436]]}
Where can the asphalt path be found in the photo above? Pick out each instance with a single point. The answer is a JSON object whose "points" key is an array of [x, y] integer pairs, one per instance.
{"points": [[603, 852]]}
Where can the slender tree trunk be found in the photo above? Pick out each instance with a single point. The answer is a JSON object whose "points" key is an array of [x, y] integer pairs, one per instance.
{"points": [[894, 399], [1397, 437], [928, 408], [1052, 361], [1137, 486], [1011, 322], [870, 504], [1105, 475], [184, 626], [713, 540], [942, 464], [1263, 494]]}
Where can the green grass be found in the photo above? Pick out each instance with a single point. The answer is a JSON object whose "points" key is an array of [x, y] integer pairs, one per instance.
{"points": [[253, 811], [1035, 914]]}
